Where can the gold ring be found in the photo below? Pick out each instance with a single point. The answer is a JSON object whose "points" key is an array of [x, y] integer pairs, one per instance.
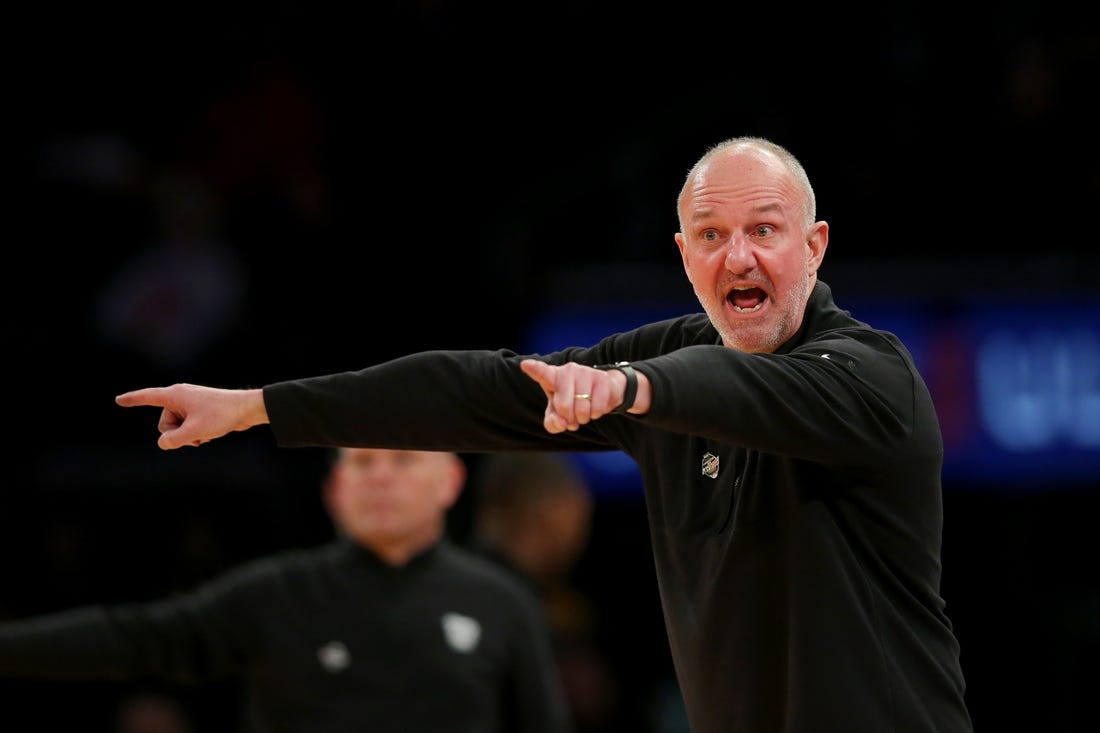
{"points": [[582, 396]]}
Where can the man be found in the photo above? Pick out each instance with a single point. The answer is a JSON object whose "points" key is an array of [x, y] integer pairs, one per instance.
{"points": [[790, 454], [389, 627]]}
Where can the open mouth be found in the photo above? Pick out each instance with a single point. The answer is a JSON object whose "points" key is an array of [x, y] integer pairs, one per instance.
{"points": [[746, 300]]}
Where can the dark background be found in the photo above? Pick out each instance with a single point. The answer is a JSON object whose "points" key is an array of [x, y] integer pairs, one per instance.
{"points": [[307, 188]]}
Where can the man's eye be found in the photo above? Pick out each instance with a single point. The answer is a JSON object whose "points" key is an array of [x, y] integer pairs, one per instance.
{"points": [[763, 230], [710, 236]]}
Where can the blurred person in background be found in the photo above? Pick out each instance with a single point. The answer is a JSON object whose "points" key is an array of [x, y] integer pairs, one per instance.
{"points": [[390, 627], [532, 512]]}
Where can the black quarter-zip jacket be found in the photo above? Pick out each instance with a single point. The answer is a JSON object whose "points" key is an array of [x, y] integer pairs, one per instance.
{"points": [[794, 502]]}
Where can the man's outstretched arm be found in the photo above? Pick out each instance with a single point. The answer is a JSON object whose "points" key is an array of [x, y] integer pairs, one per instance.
{"points": [[193, 415], [575, 395]]}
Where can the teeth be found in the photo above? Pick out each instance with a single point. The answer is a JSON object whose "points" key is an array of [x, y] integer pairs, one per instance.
{"points": [[748, 310]]}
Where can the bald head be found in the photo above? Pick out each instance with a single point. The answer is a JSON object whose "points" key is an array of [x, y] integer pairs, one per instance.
{"points": [[768, 153]]}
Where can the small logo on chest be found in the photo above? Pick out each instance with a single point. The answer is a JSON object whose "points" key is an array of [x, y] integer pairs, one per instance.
{"points": [[710, 465], [334, 657], [461, 632]]}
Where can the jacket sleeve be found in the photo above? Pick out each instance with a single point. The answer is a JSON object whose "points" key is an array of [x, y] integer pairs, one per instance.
{"points": [[201, 636], [435, 400], [852, 396]]}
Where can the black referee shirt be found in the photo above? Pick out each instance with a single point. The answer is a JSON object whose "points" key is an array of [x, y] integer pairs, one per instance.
{"points": [[328, 640]]}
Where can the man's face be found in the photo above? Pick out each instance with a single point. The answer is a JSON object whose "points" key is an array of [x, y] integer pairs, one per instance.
{"points": [[387, 496], [747, 250]]}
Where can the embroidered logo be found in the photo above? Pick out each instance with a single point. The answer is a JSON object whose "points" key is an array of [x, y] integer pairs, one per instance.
{"points": [[334, 657], [462, 632], [710, 465]]}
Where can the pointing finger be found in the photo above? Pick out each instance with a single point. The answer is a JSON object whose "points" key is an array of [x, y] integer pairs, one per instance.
{"points": [[541, 372], [151, 396]]}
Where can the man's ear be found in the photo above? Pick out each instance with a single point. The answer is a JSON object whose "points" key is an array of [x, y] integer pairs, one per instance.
{"points": [[681, 243], [816, 244]]}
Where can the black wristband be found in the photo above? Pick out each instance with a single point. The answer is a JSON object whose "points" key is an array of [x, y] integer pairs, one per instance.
{"points": [[631, 391]]}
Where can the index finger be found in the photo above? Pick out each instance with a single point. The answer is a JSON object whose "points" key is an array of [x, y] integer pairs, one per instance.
{"points": [[151, 396], [539, 371]]}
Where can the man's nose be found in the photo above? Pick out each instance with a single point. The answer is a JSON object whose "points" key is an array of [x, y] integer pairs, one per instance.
{"points": [[740, 257]]}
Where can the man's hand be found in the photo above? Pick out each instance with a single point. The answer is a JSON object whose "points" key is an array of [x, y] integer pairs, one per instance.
{"points": [[576, 394], [193, 415]]}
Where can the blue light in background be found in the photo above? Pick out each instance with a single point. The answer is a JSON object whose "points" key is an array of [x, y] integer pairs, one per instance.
{"points": [[1017, 389]]}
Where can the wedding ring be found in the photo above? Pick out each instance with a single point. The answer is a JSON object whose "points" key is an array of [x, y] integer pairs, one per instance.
{"points": [[582, 396]]}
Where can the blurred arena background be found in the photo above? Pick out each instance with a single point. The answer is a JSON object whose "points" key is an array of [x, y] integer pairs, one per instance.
{"points": [[239, 193]]}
